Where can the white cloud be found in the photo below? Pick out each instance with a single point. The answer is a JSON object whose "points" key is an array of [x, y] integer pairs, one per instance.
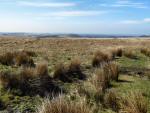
{"points": [[146, 20], [44, 4], [64, 14], [125, 3]]}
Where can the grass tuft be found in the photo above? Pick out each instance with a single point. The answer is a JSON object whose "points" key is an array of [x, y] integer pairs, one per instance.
{"points": [[61, 105], [100, 58], [135, 103]]}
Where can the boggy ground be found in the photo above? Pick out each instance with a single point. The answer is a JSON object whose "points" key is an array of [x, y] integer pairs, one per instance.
{"points": [[133, 76]]}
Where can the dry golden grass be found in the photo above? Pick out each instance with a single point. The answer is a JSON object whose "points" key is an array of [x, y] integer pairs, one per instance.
{"points": [[7, 59], [113, 68], [145, 51], [129, 54], [100, 58], [135, 103], [112, 100], [42, 69], [67, 73], [30, 81], [17, 58], [61, 105], [100, 79], [117, 52]]}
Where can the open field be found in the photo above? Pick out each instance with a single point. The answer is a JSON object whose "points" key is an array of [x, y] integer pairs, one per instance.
{"points": [[74, 75]]}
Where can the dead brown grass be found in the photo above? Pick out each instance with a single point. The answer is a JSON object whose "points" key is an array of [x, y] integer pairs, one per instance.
{"points": [[112, 100], [145, 51], [135, 103], [61, 105], [117, 52], [68, 73], [100, 58], [129, 54]]}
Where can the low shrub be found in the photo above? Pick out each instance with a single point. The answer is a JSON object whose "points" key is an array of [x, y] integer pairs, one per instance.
{"points": [[61, 105], [100, 58]]}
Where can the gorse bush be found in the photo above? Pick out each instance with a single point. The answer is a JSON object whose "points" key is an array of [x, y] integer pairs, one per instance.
{"points": [[100, 58], [61, 105], [69, 73]]}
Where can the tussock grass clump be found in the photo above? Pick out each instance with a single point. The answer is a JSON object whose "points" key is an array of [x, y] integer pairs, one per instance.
{"points": [[112, 100], [130, 54], [100, 79], [2, 106], [24, 59], [100, 58], [17, 58], [61, 105], [29, 53], [7, 59], [135, 103], [61, 73], [113, 69], [8, 80], [117, 52], [30, 81], [42, 69], [70, 72], [145, 51], [74, 69]]}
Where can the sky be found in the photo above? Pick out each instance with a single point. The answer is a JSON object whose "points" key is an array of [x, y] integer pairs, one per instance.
{"points": [[76, 16]]}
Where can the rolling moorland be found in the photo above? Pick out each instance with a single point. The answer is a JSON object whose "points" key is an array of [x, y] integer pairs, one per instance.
{"points": [[68, 75]]}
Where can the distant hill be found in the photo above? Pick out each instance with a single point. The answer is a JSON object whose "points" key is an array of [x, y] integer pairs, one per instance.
{"points": [[49, 35]]}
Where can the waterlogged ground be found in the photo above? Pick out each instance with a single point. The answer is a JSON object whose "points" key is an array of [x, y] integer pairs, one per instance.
{"points": [[134, 73]]}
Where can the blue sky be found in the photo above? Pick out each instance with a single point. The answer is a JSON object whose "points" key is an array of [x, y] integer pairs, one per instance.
{"points": [[75, 16]]}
